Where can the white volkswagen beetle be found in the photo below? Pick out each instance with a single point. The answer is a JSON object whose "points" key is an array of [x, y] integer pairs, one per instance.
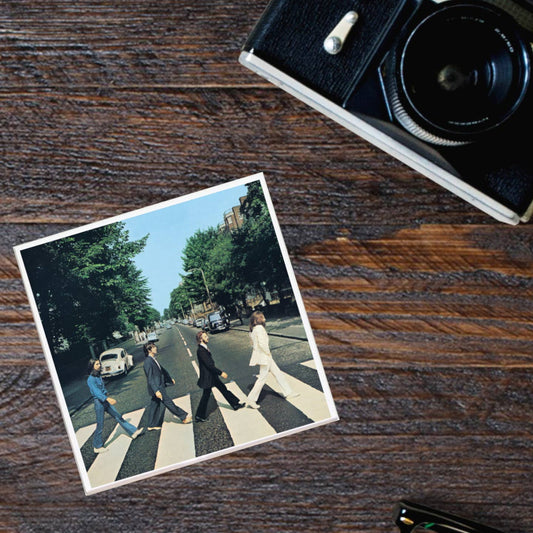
{"points": [[115, 361]]}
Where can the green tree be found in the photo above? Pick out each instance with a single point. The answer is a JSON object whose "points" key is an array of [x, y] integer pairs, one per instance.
{"points": [[179, 302], [227, 284], [86, 286], [196, 258], [256, 253]]}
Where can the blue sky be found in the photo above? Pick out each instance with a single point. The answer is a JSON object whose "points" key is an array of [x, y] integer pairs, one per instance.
{"points": [[169, 229]]}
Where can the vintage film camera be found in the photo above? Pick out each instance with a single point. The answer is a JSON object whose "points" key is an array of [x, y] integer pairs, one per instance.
{"points": [[443, 86]]}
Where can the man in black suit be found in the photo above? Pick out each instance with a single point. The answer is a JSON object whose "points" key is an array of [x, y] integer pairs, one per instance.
{"points": [[209, 378], [157, 378]]}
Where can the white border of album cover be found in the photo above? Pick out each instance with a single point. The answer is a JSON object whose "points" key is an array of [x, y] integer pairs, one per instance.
{"points": [[329, 405]]}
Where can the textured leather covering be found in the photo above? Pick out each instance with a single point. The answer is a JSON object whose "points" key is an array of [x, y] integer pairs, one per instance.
{"points": [[291, 34]]}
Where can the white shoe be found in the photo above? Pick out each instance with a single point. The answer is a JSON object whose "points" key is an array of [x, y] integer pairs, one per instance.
{"points": [[100, 450], [292, 395], [252, 405], [136, 434]]}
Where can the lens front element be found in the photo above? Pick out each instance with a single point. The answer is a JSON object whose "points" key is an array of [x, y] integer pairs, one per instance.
{"points": [[463, 71]]}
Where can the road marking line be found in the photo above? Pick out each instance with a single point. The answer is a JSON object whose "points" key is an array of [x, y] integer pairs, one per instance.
{"points": [[244, 425], [176, 443], [195, 365], [83, 434], [311, 402], [311, 364], [189, 352], [107, 465]]}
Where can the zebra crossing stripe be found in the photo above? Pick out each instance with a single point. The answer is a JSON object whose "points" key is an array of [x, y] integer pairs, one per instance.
{"points": [[310, 364], [195, 365], [244, 425], [311, 401], [83, 434], [176, 443], [107, 465]]}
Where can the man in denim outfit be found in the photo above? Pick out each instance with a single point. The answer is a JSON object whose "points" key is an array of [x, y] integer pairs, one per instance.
{"points": [[102, 403]]}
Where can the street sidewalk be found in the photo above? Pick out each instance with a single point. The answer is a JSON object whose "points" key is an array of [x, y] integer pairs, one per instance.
{"points": [[291, 327]]}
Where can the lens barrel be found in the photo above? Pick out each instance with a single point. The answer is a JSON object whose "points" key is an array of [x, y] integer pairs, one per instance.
{"points": [[463, 71]]}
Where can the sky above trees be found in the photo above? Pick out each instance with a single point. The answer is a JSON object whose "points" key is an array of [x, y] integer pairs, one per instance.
{"points": [[168, 229]]}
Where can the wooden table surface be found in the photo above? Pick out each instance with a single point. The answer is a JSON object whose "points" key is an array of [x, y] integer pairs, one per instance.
{"points": [[421, 305]]}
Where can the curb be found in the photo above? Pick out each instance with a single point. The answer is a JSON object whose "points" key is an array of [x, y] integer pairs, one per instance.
{"points": [[272, 334]]}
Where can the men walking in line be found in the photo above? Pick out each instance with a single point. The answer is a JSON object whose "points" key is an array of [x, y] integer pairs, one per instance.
{"points": [[104, 403], [209, 378], [157, 379]]}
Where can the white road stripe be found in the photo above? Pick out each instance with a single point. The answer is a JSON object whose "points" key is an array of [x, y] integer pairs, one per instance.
{"points": [[311, 401], [195, 365], [107, 465], [177, 440], [83, 434], [311, 364], [189, 352], [244, 425]]}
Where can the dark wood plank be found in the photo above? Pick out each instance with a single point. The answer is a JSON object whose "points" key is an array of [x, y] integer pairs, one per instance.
{"points": [[125, 44], [123, 150]]}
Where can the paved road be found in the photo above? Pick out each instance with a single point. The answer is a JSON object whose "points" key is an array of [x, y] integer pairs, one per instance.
{"points": [[225, 428]]}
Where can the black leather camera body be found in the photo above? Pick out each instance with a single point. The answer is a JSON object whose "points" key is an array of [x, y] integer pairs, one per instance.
{"points": [[443, 86]]}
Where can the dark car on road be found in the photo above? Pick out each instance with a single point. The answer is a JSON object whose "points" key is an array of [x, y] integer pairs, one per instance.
{"points": [[217, 321]]}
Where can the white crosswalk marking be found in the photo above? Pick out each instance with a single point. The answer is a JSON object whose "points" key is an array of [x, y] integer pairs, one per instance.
{"points": [[310, 364], [83, 434], [107, 465], [311, 401], [195, 365], [177, 440], [244, 425]]}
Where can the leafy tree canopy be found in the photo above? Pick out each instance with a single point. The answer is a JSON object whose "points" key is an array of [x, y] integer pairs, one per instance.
{"points": [[86, 286], [232, 263]]}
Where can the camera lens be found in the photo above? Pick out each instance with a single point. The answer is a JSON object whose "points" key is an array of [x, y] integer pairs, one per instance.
{"points": [[463, 71]]}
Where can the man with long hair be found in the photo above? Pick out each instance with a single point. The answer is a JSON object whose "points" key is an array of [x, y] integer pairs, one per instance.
{"points": [[261, 356], [104, 403]]}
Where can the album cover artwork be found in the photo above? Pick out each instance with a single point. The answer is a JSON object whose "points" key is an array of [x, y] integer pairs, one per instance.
{"points": [[175, 334]]}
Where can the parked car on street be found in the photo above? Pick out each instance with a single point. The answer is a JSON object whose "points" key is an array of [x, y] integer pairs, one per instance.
{"points": [[152, 337], [217, 321], [115, 362]]}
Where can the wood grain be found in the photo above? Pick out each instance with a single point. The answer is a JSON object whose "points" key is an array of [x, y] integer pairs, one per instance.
{"points": [[421, 305]]}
